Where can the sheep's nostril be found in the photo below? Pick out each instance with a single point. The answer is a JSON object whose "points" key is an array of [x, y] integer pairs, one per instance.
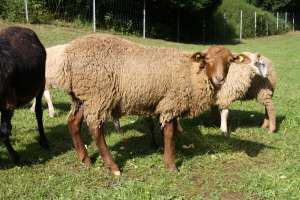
{"points": [[220, 79]]}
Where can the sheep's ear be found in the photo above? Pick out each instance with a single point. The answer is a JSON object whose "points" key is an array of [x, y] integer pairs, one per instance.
{"points": [[257, 56], [198, 57], [240, 58]]}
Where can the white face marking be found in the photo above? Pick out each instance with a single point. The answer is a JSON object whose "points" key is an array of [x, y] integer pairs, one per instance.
{"points": [[262, 69]]}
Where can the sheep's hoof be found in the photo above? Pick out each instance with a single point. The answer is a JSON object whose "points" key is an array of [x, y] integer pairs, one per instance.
{"points": [[86, 161], [44, 143], [117, 173], [174, 170], [225, 134], [15, 157], [271, 131]]}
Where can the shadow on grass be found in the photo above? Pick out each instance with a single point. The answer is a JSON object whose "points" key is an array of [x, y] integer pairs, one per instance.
{"points": [[208, 143]]}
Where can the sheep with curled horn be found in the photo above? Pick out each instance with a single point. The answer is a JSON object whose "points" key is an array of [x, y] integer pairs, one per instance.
{"points": [[110, 77]]}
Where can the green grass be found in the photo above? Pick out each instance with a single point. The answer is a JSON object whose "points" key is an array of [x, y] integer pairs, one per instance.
{"points": [[251, 164]]}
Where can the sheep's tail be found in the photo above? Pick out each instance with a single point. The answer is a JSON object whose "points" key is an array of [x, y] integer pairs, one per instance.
{"points": [[63, 76]]}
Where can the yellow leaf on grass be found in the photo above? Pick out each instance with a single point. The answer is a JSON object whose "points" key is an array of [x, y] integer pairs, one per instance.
{"points": [[213, 157]]}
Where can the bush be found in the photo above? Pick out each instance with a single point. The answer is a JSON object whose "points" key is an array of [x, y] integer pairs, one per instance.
{"points": [[233, 9], [14, 11]]}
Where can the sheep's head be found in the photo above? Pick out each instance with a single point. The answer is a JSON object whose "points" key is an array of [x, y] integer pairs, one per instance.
{"points": [[216, 60], [258, 64]]}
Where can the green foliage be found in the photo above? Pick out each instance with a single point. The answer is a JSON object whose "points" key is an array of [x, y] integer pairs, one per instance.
{"points": [[277, 5], [265, 21], [14, 10]]}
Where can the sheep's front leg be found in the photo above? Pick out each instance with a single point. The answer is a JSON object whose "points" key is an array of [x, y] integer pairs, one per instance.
{"points": [[224, 118], [170, 130], [39, 117], [5, 131], [98, 137], [75, 122]]}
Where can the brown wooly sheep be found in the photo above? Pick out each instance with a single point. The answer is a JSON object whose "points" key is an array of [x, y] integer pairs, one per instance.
{"points": [[109, 77], [22, 69], [244, 84], [52, 62]]}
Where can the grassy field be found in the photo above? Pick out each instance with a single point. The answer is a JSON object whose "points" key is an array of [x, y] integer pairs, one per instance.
{"points": [[251, 164]]}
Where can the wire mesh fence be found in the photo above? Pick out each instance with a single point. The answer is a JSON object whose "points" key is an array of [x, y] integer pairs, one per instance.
{"points": [[136, 17]]}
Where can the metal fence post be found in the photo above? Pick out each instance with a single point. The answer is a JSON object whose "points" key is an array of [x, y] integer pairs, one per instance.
{"points": [[144, 20], [94, 15], [241, 25], [285, 21], [26, 10], [224, 24], [277, 21], [254, 24], [203, 32], [267, 25], [178, 24], [293, 22]]}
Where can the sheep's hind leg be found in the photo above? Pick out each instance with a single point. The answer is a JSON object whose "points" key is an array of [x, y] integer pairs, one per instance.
{"points": [[170, 130], [98, 137], [270, 118], [50, 104], [5, 131], [39, 117], [75, 121], [151, 127], [117, 126]]}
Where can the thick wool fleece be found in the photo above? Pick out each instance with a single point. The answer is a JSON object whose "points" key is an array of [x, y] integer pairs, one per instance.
{"points": [[237, 83], [242, 83], [115, 77], [54, 58], [261, 88]]}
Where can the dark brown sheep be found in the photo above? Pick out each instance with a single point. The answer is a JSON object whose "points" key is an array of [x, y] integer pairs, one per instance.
{"points": [[22, 78]]}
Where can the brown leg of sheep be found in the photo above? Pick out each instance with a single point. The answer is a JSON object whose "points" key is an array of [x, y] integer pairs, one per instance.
{"points": [[270, 118], [98, 137], [170, 130], [75, 122]]}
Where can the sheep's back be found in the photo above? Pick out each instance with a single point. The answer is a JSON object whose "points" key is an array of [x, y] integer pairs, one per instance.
{"points": [[122, 76]]}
